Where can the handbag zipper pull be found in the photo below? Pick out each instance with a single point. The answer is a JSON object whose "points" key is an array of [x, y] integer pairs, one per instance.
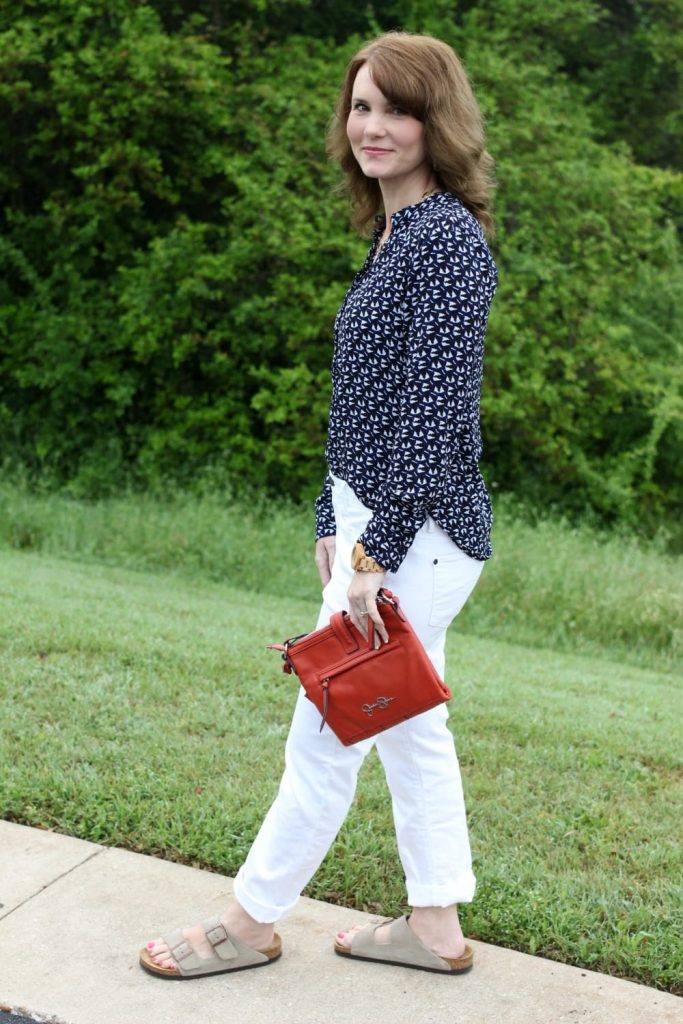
{"points": [[326, 686]]}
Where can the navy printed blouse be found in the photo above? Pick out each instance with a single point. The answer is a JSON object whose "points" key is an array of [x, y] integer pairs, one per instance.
{"points": [[406, 383]]}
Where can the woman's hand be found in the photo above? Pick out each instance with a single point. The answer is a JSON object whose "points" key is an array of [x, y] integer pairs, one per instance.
{"points": [[362, 595], [324, 557]]}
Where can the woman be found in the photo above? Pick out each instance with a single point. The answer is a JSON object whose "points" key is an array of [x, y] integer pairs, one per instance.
{"points": [[404, 506]]}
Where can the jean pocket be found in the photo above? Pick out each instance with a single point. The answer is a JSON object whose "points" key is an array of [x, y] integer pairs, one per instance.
{"points": [[454, 577]]}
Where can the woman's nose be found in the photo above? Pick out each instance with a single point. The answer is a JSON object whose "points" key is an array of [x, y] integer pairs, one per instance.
{"points": [[375, 125]]}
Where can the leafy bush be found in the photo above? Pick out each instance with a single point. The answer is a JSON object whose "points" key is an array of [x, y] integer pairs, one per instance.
{"points": [[173, 256]]}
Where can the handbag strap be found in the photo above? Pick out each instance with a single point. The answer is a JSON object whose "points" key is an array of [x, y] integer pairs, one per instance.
{"points": [[343, 633], [386, 597]]}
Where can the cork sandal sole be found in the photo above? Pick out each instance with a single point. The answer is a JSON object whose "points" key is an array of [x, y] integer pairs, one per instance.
{"points": [[273, 953]]}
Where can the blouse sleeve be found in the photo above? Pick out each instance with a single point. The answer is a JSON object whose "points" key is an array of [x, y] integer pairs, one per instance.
{"points": [[450, 297], [325, 524]]}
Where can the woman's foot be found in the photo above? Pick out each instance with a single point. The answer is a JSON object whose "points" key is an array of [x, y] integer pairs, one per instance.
{"points": [[437, 928], [236, 922]]}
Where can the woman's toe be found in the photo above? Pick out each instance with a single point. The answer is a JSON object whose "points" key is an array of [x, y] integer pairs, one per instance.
{"points": [[345, 938], [160, 953], [164, 960]]}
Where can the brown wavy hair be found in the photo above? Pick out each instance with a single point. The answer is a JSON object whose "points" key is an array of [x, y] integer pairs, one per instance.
{"points": [[423, 76]]}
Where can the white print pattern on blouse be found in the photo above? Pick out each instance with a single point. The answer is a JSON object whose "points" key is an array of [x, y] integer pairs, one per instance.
{"points": [[406, 383]]}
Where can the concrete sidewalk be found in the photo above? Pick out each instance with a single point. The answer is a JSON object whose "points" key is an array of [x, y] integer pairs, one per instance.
{"points": [[74, 915]]}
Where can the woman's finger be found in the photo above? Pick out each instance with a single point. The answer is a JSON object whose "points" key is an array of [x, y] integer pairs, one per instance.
{"points": [[324, 558], [361, 615], [381, 635], [362, 596], [359, 619]]}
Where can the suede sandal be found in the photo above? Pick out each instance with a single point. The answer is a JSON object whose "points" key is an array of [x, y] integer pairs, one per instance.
{"points": [[229, 954], [404, 949]]}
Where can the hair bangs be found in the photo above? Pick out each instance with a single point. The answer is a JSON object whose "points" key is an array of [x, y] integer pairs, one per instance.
{"points": [[402, 84]]}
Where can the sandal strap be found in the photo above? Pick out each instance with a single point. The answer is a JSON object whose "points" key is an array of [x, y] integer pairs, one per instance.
{"points": [[403, 946], [224, 949], [182, 952]]}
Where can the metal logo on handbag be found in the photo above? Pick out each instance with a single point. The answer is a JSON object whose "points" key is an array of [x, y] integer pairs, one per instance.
{"points": [[380, 702], [342, 673]]}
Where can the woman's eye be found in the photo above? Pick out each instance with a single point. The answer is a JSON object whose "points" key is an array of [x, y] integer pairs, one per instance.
{"points": [[398, 110], [360, 106]]}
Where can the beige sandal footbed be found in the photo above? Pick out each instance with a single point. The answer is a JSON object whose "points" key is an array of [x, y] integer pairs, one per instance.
{"points": [[229, 954], [404, 949]]}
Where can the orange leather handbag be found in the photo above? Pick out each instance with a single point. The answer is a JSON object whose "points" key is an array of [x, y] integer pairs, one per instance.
{"points": [[360, 691]]}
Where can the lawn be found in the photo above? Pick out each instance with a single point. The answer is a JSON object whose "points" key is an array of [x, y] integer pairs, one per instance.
{"points": [[140, 709]]}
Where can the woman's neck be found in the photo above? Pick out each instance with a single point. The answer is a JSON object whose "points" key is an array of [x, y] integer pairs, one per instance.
{"points": [[396, 195]]}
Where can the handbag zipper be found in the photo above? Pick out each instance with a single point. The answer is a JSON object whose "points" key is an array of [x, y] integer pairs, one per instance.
{"points": [[326, 697]]}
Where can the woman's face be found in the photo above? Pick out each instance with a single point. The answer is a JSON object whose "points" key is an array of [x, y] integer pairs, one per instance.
{"points": [[387, 142]]}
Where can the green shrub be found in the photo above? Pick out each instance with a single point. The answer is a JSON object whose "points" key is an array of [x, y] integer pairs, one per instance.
{"points": [[173, 257]]}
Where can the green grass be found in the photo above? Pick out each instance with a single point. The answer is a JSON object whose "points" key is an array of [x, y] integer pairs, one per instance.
{"points": [[141, 710], [548, 585]]}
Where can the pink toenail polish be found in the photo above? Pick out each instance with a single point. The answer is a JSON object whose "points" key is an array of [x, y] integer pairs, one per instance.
{"points": [[150, 945]]}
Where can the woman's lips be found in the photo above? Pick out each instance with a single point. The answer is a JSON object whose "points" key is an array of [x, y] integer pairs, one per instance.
{"points": [[373, 151]]}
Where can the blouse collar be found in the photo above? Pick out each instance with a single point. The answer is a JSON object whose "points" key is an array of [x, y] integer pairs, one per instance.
{"points": [[407, 214]]}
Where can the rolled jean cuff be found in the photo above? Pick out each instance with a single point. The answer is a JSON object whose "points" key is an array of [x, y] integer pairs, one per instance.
{"points": [[459, 891], [259, 911]]}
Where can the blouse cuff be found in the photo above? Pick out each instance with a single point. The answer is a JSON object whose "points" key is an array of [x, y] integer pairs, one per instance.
{"points": [[325, 523]]}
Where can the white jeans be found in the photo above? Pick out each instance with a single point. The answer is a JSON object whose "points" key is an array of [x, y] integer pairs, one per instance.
{"points": [[421, 767]]}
